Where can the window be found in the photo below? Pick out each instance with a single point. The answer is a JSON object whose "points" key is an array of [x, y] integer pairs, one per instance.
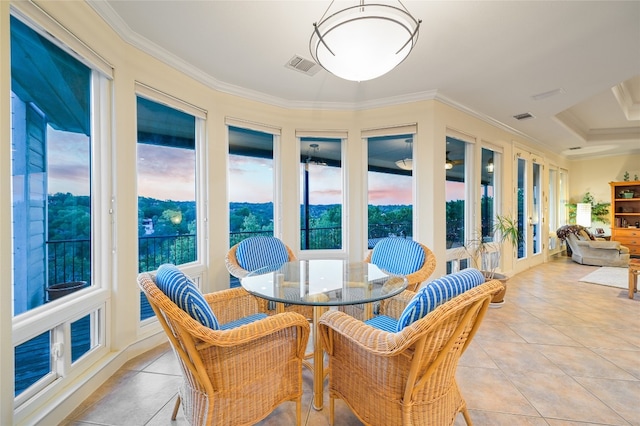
{"points": [[167, 211], [490, 163], [536, 211], [33, 361], [390, 187], [167, 226], [251, 184], [563, 195], [522, 205], [456, 194], [55, 175], [554, 207], [51, 169], [321, 193]]}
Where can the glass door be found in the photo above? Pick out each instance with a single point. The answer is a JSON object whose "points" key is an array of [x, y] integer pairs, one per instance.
{"points": [[529, 209]]}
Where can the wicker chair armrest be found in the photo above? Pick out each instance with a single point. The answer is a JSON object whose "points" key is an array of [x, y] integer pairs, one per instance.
{"points": [[394, 306]]}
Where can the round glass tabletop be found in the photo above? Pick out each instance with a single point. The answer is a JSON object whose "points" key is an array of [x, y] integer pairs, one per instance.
{"points": [[322, 282]]}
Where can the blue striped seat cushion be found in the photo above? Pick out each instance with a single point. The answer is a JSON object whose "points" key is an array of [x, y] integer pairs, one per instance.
{"points": [[438, 292], [184, 293], [384, 323], [242, 321], [258, 252], [398, 255]]}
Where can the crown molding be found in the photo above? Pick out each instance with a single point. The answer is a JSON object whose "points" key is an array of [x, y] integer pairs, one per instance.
{"points": [[572, 123], [106, 12], [628, 105]]}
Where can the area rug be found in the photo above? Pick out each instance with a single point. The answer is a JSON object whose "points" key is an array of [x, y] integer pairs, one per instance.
{"points": [[609, 276]]}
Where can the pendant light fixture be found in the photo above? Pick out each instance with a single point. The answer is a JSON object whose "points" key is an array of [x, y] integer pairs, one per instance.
{"points": [[407, 162], [490, 165], [364, 41]]}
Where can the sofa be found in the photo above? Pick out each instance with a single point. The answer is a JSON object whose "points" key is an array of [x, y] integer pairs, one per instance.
{"points": [[587, 251]]}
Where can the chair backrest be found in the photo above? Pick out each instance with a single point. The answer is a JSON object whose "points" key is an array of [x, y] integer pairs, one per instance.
{"points": [[255, 253], [182, 330], [572, 241], [437, 292], [405, 257], [441, 338]]}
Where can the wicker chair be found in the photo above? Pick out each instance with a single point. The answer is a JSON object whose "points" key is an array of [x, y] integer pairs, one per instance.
{"points": [[235, 376], [262, 250], [398, 256], [407, 377], [387, 251]]}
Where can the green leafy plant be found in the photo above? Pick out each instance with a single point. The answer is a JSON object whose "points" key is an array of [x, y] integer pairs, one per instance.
{"points": [[485, 252], [507, 228], [599, 211]]}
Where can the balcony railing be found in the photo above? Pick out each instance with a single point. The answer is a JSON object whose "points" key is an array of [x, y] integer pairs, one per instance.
{"points": [[326, 238], [70, 260], [154, 251]]}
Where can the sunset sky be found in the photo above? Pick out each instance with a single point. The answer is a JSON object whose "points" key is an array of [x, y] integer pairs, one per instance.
{"points": [[68, 162], [167, 173]]}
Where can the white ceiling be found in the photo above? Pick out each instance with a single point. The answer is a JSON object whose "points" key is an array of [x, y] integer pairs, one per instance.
{"points": [[488, 58]]}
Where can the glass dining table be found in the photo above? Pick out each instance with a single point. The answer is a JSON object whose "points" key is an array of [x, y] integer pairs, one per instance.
{"points": [[323, 284]]}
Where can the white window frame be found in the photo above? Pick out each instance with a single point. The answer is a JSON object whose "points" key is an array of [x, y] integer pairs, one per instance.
{"points": [[195, 270], [343, 136], [56, 316], [401, 129]]}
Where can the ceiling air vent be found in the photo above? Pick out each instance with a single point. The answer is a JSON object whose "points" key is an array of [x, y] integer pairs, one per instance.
{"points": [[303, 65], [524, 116]]}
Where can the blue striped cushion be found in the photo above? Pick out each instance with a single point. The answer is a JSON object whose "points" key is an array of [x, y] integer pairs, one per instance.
{"points": [[438, 292], [398, 255], [383, 322], [258, 252], [242, 321], [184, 293]]}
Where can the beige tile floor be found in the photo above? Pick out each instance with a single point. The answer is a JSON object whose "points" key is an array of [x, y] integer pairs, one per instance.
{"points": [[559, 352]]}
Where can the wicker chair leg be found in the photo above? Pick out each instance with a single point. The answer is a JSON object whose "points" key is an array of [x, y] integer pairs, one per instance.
{"points": [[299, 411], [332, 404], [175, 408], [467, 418]]}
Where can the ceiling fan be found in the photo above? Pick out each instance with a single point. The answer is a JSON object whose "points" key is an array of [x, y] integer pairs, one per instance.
{"points": [[449, 164]]}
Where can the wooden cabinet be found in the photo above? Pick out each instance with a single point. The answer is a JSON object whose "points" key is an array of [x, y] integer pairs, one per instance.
{"points": [[625, 214]]}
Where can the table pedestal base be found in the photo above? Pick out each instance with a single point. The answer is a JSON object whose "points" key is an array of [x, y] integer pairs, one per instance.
{"points": [[318, 360], [634, 271]]}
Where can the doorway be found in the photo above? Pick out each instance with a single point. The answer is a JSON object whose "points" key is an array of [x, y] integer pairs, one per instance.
{"points": [[529, 209]]}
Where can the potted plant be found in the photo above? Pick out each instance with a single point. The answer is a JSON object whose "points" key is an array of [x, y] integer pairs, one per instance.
{"points": [[627, 193], [599, 210], [486, 254]]}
